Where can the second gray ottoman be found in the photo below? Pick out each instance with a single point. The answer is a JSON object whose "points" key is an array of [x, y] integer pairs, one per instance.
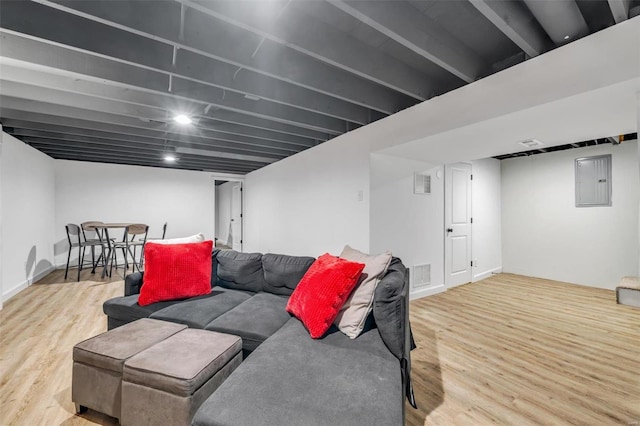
{"points": [[168, 382], [98, 362]]}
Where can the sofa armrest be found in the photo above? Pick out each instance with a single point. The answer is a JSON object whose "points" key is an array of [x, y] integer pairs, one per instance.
{"points": [[133, 283]]}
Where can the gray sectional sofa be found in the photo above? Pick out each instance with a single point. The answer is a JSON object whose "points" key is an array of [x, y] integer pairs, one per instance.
{"points": [[287, 378]]}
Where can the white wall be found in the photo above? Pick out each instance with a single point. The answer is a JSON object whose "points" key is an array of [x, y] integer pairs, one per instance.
{"points": [[223, 211], [410, 225], [308, 204], [28, 204], [117, 193], [486, 203], [545, 235]]}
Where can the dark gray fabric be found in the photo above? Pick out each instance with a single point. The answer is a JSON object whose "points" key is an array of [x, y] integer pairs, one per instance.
{"points": [[292, 379], [282, 273], [126, 309], [389, 308], [200, 311], [240, 271], [132, 283], [254, 320]]}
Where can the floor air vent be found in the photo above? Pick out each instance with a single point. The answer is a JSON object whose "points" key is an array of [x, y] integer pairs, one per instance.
{"points": [[421, 275]]}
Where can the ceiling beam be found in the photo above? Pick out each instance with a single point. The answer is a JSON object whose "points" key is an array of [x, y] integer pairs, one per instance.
{"points": [[404, 24], [51, 24], [32, 121], [51, 96], [513, 20], [620, 9], [88, 147], [562, 20], [227, 123], [236, 47], [320, 41], [171, 105], [61, 132], [127, 160], [190, 96]]}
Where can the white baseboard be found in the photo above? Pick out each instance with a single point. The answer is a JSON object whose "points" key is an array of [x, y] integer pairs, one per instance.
{"points": [[428, 291], [487, 274], [26, 283]]}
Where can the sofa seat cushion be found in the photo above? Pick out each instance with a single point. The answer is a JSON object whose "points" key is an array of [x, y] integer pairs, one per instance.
{"points": [[126, 309], [199, 311], [292, 379], [254, 320]]}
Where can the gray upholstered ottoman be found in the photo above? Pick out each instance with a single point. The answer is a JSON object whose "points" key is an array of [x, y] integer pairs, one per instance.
{"points": [[167, 383], [98, 362]]}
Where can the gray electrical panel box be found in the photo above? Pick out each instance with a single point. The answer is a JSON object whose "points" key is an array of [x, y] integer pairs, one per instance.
{"points": [[593, 181]]}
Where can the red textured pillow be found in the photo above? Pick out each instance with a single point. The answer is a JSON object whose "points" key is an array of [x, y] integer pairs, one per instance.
{"points": [[175, 271], [322, 291]]}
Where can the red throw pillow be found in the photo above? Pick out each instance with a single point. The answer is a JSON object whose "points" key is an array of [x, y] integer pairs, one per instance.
{"points": [[322, 291], [175, 271]]}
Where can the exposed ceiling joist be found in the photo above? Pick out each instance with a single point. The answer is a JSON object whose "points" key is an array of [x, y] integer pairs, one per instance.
{"points": [[320, 41], [202, 128], [220, 158], [234, 47], [170, 104], [160, 58], [128, 160], [620, 9], [562, 20], [404, 24], [513, 21], [40, 129], [201, 95], [36, 121]]}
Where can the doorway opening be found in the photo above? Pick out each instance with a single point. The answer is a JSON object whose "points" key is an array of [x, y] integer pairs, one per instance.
{"points": [[229, 215]]}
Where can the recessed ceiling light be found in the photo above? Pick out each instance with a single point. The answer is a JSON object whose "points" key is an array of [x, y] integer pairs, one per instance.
{"points": [[169, 158], [182, 119], [567, 37]]}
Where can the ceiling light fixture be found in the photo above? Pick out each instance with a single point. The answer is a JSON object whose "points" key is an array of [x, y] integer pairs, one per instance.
{"points": [[182, 119], [567, 37], [169, 155]]}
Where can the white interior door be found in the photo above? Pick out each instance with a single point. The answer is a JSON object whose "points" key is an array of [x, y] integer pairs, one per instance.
{"points": [[457, 220], [236, 217]]}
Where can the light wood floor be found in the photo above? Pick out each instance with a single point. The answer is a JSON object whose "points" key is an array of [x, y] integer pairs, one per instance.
{"points": [[506, 350], [516, 350]]}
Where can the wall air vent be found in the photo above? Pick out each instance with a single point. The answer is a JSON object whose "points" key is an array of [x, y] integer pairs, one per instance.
{"points": [[421, 183], [421, 275], [531, 143]]}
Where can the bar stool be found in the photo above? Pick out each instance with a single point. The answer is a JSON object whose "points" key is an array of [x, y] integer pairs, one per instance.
{"points": [[75, 240]]}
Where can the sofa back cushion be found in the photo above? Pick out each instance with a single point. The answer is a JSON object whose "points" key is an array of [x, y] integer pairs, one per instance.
{"points": [[283, 273], [239, 271], [390, 307]]}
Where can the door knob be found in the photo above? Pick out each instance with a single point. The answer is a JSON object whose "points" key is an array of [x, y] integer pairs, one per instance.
{"points": [[449, 230]]}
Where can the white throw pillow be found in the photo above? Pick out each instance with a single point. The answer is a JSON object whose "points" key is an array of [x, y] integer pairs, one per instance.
{"points": [[356, 309], [198, 238]]}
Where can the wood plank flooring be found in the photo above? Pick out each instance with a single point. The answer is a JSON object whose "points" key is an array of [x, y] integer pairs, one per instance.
{"points": [[523, 351], [507, 350]]}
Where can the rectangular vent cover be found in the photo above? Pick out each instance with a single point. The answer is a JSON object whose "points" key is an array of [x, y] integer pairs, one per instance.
{"points": [[421, 183], [531, 143], [421, 275]]}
